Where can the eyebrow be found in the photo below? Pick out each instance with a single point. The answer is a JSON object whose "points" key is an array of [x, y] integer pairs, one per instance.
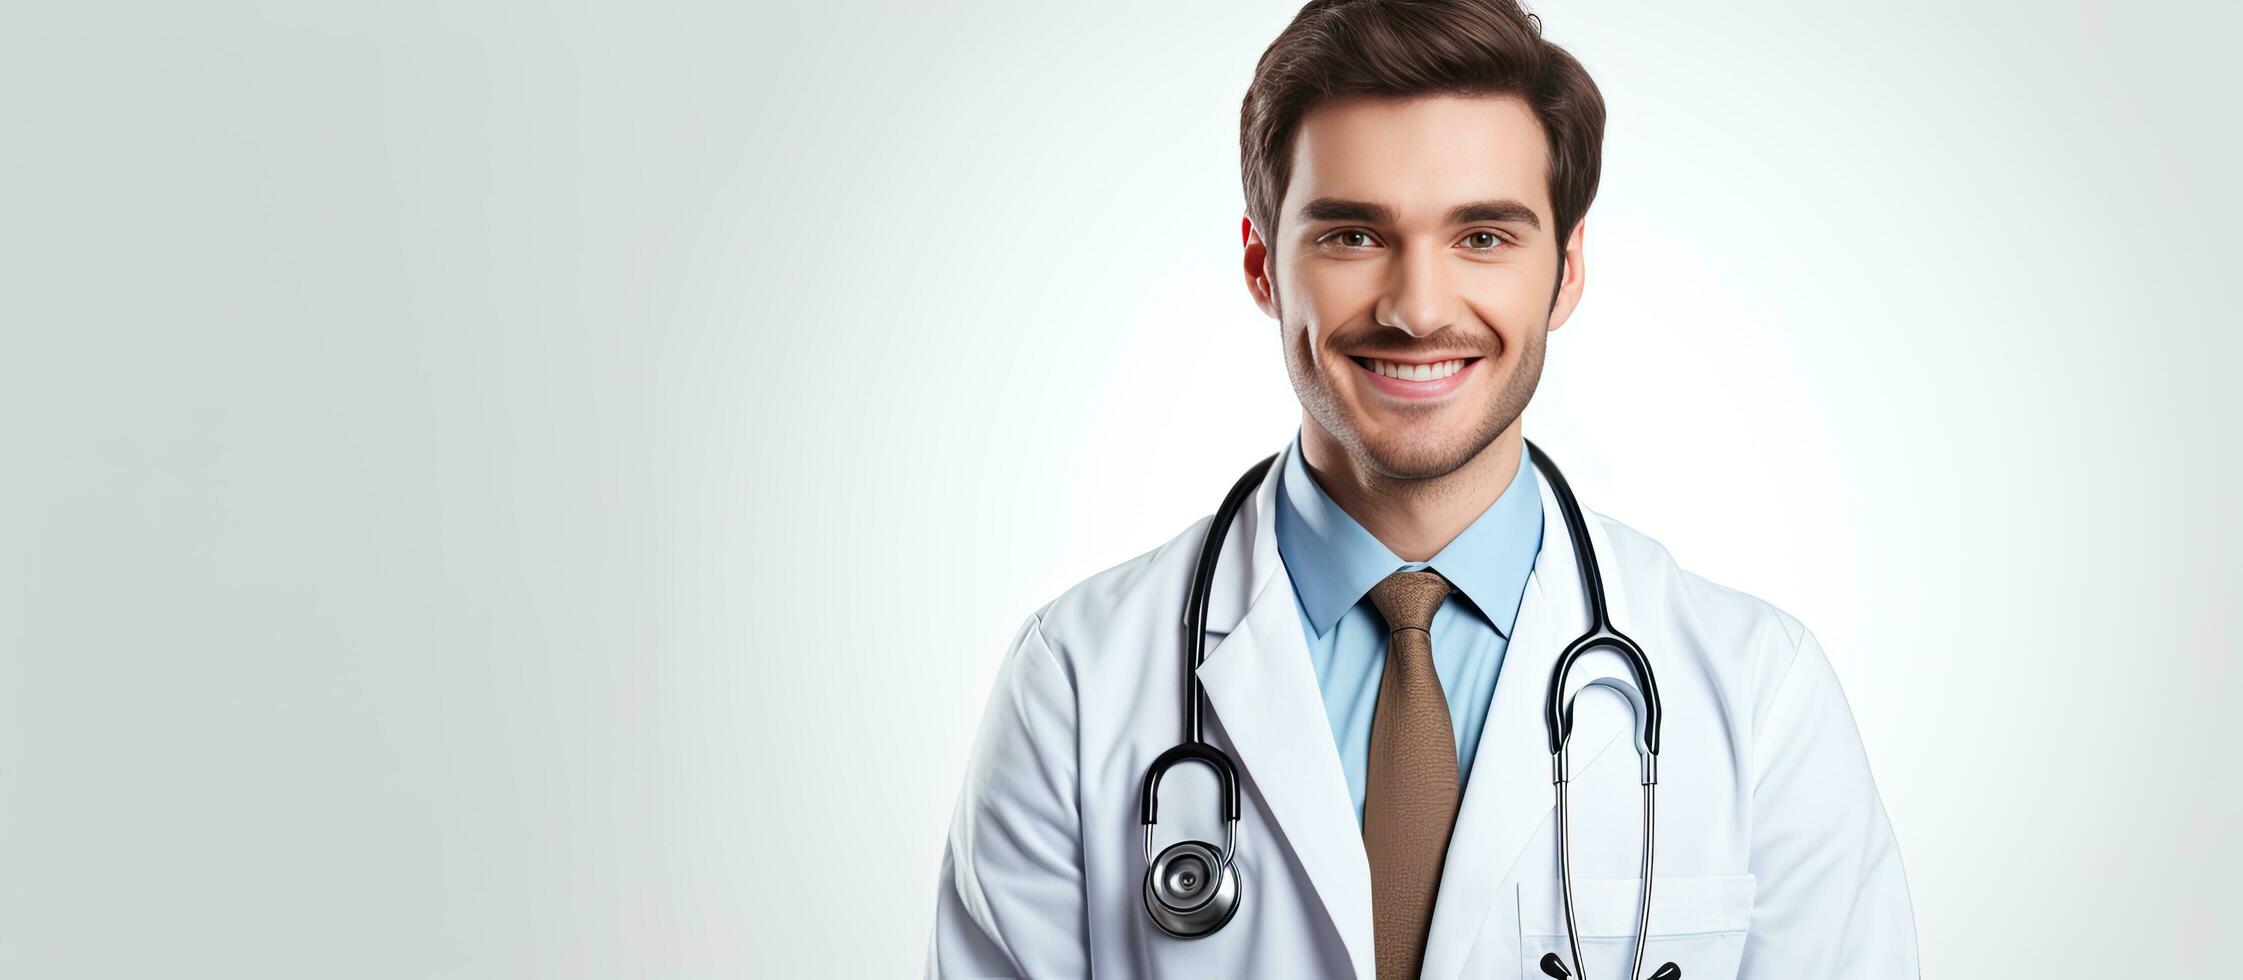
{"points": [[1340, 209]]}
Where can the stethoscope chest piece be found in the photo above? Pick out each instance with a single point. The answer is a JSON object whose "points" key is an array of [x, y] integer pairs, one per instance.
{"points": [[1191, 889]]}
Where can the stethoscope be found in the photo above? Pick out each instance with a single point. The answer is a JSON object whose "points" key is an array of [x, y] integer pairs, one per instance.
{"points": [[1192, 888]]}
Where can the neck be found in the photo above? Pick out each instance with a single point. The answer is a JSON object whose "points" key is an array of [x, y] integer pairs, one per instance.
{"points": [[1414, 517]]}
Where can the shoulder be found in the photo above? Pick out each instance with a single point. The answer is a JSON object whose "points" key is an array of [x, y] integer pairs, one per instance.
{"points": [[1120, 601], [1748, 640]]}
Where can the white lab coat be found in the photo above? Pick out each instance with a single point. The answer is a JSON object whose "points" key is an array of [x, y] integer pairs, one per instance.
{"points": [[1775, 857]]}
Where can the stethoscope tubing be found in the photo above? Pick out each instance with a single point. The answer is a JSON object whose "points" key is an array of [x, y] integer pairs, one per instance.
{"points": [[1557, 717]]}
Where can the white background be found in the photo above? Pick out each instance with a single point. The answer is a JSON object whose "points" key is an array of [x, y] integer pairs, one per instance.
{"points": [[541, 490]]}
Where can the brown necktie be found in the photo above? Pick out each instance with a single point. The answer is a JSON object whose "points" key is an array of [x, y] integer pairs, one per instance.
{"points": [[1410, 786]]}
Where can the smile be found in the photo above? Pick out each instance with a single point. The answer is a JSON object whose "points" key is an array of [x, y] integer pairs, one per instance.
{"points": [[1430, 380], [1414, 372]]}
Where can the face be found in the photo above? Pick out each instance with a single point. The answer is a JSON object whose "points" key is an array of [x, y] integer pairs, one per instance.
{"points": [[1412, 275]]}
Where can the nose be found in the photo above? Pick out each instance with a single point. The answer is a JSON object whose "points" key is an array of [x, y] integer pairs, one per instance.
{"points": [[1419, 299]]}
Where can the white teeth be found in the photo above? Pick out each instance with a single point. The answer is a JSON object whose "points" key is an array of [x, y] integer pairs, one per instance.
{"points": [[1417, 372]]}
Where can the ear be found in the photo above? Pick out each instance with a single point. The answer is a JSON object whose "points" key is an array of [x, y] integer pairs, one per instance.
{"points": [[1569, 286], [1257, 267]]}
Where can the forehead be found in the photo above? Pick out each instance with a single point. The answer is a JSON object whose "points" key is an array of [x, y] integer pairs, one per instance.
{"points": [[1421, 154]]}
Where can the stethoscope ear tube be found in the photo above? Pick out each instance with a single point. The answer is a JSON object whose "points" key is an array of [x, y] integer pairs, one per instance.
{"points": [[1557, 715], [1557, 708], [1646, 759], [1601, 635]]}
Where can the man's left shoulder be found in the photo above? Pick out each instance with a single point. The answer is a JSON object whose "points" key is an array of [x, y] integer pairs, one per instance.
{"points": [[1735, 633]]}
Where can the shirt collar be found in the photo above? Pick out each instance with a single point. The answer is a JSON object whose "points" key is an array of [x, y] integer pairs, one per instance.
{"points": [[1333, 561]]}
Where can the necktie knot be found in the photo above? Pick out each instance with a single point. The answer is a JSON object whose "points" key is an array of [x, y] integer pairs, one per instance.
{"points": [[1408, 599]]}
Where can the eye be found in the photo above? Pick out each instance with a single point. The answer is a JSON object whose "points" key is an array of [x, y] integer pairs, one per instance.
{"points": [[1343, 236], [1494, 239]]}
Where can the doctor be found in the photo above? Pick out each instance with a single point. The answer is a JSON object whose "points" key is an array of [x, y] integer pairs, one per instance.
{"points": [[1391, 598]]}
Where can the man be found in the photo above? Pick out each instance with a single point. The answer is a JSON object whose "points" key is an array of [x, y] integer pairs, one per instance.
{"points": [[1387, 611]]}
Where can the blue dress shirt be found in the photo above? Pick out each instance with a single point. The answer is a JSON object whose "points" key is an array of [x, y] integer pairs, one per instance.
{"points": [[1333, 563]]}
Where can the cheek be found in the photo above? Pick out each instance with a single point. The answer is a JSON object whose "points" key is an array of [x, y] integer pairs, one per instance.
{"points": [[1512, 311], [1304, 340], [1334, 292], [1344, 291]]}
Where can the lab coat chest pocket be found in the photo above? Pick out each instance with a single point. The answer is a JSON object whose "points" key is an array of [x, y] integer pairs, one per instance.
{"points": [[1698, 923]]}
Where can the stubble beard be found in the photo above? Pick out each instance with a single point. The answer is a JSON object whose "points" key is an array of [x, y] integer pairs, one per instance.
{"points": [[1409, 456]]}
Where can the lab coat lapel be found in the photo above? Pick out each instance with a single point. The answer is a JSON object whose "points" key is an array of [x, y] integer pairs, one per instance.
{"points": [[1267, 702], [1508, 794]]}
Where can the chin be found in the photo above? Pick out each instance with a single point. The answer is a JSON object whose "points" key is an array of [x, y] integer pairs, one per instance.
{"points": [[1415, 451]]}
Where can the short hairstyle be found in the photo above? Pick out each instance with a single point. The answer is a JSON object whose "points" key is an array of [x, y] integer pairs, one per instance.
{"points": [[1337, 49]]}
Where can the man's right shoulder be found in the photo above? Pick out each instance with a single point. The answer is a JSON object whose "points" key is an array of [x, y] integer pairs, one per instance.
{"points": [[1147, 588]]}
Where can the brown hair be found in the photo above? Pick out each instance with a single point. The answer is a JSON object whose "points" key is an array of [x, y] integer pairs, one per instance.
{"points": [[1340, 48]]}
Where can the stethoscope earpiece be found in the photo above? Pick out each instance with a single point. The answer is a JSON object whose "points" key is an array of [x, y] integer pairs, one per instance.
{"points": [[1555, 967]]}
